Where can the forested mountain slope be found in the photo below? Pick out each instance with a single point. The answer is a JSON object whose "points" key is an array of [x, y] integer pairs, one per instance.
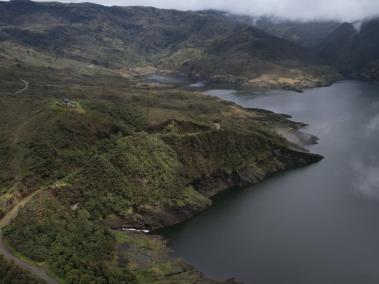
{"points": [[354, 49]]}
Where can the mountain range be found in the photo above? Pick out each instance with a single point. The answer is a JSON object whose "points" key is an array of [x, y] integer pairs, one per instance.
{"points": [[205, 44]]}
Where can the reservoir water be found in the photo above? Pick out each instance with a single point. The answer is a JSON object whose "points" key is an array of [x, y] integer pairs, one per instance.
{"points": [[318, 224]]}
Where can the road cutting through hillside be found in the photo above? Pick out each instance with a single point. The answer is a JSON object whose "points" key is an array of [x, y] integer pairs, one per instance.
{"points": [[37, 271]]}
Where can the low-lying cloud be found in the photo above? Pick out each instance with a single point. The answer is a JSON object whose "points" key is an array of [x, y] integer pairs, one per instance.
{"points": [[345, 10], [366, 178], [373, 124]]}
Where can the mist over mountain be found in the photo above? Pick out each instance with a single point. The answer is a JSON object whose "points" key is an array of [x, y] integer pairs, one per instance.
{"points": [[342, 10], [308, 33]]}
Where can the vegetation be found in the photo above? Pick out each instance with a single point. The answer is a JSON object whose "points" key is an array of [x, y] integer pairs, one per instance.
{"points": [[207, 44], [75, 248], [104, 153], [11, 274], [159, 265]]}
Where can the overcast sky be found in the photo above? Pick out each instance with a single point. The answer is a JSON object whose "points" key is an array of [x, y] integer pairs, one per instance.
{"points": [[346, 10]]}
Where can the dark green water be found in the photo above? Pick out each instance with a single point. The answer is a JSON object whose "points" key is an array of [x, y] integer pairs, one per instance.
{"points": [[318, 224]]}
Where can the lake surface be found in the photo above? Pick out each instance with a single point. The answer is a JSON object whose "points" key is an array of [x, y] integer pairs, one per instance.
{"points": [[318, 224]]}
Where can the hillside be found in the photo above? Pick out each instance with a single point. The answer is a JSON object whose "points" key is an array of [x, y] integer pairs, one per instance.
{"points": [[354, 49], [167, 41], [305, 33], [257, 59], [107, 36]]}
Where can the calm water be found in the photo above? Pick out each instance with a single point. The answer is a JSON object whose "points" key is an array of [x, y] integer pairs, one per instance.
{"points": [[318, 224]]}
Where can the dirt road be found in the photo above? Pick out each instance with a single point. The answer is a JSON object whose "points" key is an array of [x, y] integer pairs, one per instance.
{"points": [[37, 271]]}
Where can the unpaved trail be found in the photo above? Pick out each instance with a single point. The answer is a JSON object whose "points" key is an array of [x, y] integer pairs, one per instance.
{"points": [[37, 271], [25, 88]]}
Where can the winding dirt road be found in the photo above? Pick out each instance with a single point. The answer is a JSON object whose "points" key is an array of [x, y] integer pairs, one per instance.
{"points": [[37, 271], [25, 88]]}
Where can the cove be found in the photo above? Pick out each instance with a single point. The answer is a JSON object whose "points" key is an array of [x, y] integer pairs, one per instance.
{"points": [[318, 224]]}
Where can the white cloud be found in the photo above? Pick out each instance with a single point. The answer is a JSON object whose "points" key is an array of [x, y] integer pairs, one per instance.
{"points": [[372, 126], [374, 123], [366, 178], [347, 10]]}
